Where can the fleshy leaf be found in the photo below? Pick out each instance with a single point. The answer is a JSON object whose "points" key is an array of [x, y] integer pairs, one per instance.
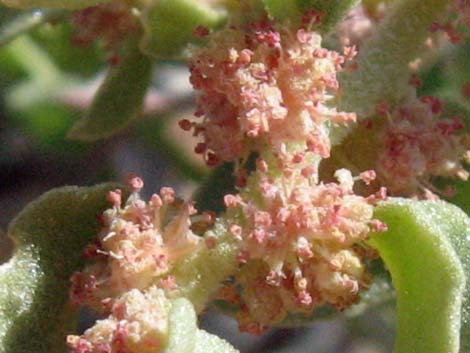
{"points": [[427, 274], [49, 235], [53, 4], [119, 98], [383, 72], [207, 343], [169, 25], [185, 337], [182, 327]]}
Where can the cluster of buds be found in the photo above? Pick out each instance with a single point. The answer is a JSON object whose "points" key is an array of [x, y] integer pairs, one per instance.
{"points": [[263, 86], [303, 243], [111, 23], [268, 89], [138, 323], [457, 22], [417, 145], [137, 247]]}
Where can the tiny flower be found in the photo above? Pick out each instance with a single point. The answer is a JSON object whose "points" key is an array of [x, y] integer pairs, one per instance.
{"points": [[263, 85], [297, 246], [138, 324], [111, 23], [417, 144], [139, 243]]}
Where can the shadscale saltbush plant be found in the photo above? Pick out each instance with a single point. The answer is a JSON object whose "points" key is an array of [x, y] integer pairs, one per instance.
{"points": [[338, 161]]}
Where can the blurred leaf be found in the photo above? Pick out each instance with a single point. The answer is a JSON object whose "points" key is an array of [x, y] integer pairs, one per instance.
{"points": [[57, 41], [53, 4], [383, 73], [462, 196], [118, 100], [282, 9], [5, 247], [27, 22], [49, 235], [332, 10], [169, 25], [420, 250], [156, 133], [210, 195], [47, 124]]}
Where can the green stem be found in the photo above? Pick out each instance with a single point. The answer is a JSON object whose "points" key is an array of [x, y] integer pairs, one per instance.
{"points": [[27, 22], [33, 60], [200, 275]]}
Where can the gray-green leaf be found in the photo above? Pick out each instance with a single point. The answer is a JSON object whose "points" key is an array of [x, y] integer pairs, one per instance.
{"points": [[421, 249], [118, 100], [49, 235]]}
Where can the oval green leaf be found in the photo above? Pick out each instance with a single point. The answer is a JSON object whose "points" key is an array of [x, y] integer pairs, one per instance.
{"points": [[426, 272], [118, 100], [169, 25], [49, 235]]}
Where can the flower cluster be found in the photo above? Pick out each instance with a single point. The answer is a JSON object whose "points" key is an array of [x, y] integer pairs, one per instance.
{"points": [[457, 22], [260, 85], [137, 246], [267, 90], [304, 244], [111, 23], [416, 145], [138, 323]]}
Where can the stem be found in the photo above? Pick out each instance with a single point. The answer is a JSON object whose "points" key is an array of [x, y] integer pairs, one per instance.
{"points": [[200, 275], [27, 22], [40, 69]]}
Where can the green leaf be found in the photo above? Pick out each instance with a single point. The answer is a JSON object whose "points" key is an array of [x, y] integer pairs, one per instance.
{"points": [[169, 25], [49, 235], [182, 327], [383, 72], [27, 22], [282, 9], [420, 249], [462, 196], [185, 337], [207, 343], [118, 100], [53, 4], [210, 194], [332, 10]]}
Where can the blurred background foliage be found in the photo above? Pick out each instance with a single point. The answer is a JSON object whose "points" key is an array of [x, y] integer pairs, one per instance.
{"points": [[45, 84]]}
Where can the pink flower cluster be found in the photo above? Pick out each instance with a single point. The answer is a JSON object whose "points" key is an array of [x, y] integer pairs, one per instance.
{"points": [[417, 145], [111, 23], [303, 244], [263, 85], [137, 247], [138, 323], [268, 90]]}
